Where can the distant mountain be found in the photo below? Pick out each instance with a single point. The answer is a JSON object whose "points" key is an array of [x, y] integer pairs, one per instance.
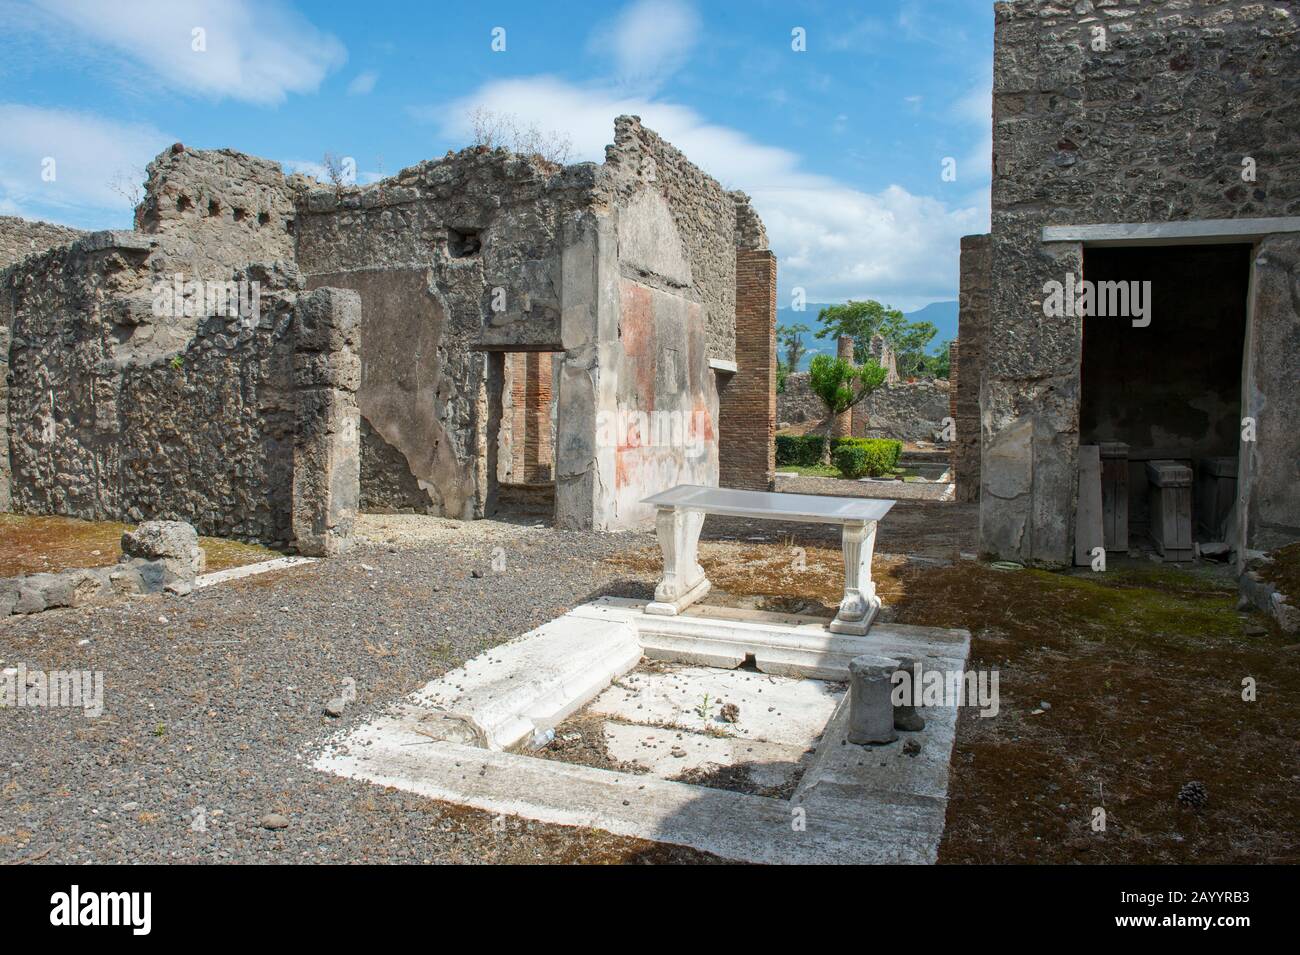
{"points": [[942, 315]]}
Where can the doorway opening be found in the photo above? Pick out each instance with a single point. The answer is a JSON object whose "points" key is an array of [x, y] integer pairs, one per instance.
{"points": [[521, 463], [1170, 390]]}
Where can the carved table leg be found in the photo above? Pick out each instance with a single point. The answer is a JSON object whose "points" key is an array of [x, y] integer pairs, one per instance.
{"points": [[684, 581], [860, 603]]}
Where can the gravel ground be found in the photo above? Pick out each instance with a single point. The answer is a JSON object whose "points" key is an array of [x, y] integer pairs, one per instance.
{"points": [[211, 700]]}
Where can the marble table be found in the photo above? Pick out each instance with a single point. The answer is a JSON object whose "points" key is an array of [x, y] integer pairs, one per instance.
{"points": [[680, 515]]}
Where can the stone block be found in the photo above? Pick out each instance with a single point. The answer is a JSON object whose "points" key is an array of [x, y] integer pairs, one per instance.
{"points": [[174, 541], [327, 320]]}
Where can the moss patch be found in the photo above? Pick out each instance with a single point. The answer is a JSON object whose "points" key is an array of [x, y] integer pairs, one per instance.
{"points": [[1283, 571], [31, 544]]}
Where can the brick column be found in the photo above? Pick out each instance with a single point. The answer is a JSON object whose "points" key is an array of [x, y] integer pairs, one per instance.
{"points": [[964, 378], [327, 425], [842, 426], [747, 404]]}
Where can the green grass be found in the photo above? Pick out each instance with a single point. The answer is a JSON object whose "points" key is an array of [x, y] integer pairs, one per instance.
{"points": [[823, 470]]}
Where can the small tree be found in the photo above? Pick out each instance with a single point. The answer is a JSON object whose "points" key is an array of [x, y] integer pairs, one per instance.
{"points": [[858, 320], [841, 385], [791, 339]]}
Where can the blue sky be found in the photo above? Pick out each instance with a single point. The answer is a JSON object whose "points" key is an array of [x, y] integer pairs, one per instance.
{"points": [[841, 144]]}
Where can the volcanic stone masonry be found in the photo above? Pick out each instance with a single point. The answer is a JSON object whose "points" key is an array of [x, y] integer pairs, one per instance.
{"points": [[1119, 127], [136, 392]]}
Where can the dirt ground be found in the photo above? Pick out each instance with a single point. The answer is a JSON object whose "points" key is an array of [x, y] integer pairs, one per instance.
{"points": [[1151, 676], [32, 544]]}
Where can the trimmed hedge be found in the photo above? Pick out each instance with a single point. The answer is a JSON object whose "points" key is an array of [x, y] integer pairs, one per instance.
{"points": [[866, 457], [802, 450]]}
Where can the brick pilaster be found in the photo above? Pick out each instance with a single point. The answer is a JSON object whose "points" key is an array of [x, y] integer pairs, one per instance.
{"points": [[747, 404]]}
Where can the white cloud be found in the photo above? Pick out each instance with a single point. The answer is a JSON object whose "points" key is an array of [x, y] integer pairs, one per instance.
{"points": [[648, 40], [363, 83], [88, 151], [318, 171], [258, 52], [833, 240]]}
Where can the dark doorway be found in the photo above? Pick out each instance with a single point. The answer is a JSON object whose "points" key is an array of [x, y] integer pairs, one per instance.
{"points": [[1172, 389]]}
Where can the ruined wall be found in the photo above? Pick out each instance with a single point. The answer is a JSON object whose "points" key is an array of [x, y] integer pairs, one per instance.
{"points": [[702, 214], [20, 238], [116, 414], [907, 411], [1154, 127], [1269, 466], [449, 257], [676, 309], [968, 364], [217, 208], [156, 374]]}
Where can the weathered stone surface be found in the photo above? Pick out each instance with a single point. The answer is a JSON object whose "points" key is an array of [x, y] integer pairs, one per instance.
{"points": [[20, 238], [1152, 125], [158, 555], [153, 540], [871, 708], [907, 411], [327, 452]]}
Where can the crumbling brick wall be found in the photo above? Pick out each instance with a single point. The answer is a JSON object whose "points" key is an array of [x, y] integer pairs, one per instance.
{"points": [[748, 404], [967, 363], [1151, 125]]}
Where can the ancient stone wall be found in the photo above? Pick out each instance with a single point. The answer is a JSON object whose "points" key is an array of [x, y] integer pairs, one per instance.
{"points": [[20, 238], [118, 414], [968, 364], [908, 411], [214, 209], [450, 257], [1112, 112], [703, 214]]}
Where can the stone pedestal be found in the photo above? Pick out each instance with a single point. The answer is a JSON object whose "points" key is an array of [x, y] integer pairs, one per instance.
{"points": [[1171, 508], [860, 603], [871, 709]]}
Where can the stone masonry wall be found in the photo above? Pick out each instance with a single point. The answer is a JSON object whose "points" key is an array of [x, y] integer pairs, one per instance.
{"points": [[20, 238], [193, 421], [703, 213], [1153, 127], [906, 411], [426, 249]]}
